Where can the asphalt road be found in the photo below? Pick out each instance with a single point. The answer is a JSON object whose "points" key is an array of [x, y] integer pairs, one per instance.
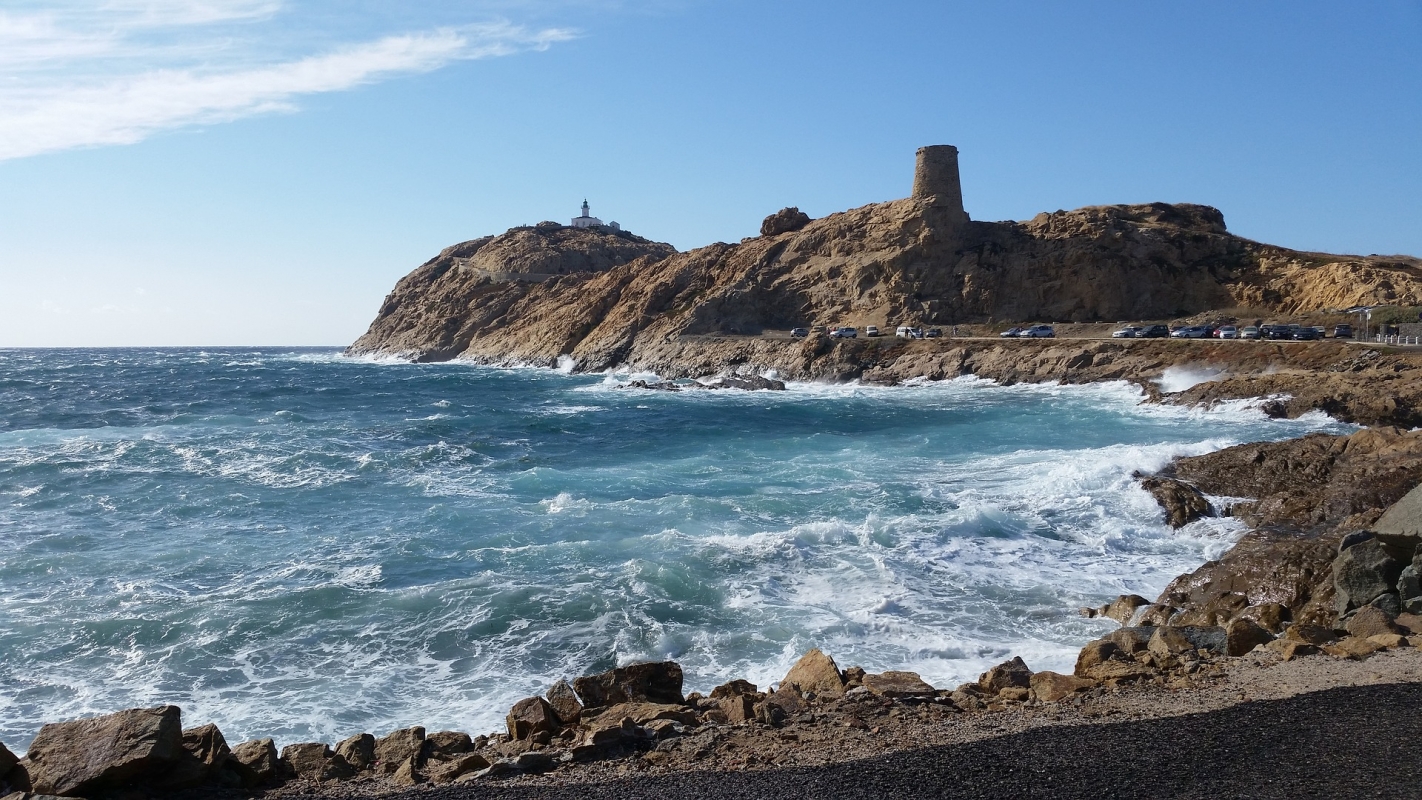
{"points": [[1351, 742]]}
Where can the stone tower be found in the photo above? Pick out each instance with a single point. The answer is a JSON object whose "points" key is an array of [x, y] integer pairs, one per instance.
{"points": [[936, 175]]}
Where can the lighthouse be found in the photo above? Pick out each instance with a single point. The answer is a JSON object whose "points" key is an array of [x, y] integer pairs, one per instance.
{"points": [[587, 220]]}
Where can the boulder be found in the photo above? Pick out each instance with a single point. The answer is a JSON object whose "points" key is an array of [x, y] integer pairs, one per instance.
{"points": [[531, 715], [786, 220], [1013, 674], [314, 761], [1243, 635], [651, 682], [1216, 611], [1390, 640], [1049, 687], [816, 672], [407, 773], [738, 687], [737, 709], [565, 702], [1371, 621], [749, 383], [1132, 639], [358, 751], [1094, 654], [1352, 647], [1409, 622], [642, 713], [1269, 616], [1173, 640], [259, 756], [1182, 503], [854, 676], [1402, 522], [204, 757], [448, 771], [93, 756], [8, 760], [394, 748], [787, 699], [1153, 615], [895, 685], [1123, 608], [1290, 649], [447, 745], [1362, 573]]}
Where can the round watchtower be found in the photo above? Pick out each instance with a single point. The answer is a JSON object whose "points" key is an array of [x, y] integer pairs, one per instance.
{"points": [[936, 175]]}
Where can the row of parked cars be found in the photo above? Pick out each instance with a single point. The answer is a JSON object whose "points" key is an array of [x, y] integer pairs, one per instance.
{"points": [[1298, 333], [870, 331], [1031, 332]]}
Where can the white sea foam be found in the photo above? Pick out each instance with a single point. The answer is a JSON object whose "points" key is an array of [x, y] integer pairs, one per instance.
{"points": [[1179, 378]]}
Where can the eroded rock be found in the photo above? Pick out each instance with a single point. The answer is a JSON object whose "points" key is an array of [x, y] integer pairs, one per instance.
{"points": [[1050, 687], [816, 672], [395, 748], [1008, 674], [358, 751], [532, 715], [652, 682], [315, 761], [565, 702], [92, 756], [897, 684]]}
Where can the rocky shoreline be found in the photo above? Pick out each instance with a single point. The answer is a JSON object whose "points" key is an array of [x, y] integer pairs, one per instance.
{"points": [[1328, 575]]}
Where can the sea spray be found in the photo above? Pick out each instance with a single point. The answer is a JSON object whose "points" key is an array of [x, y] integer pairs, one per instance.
{"points": [[305, 546]]}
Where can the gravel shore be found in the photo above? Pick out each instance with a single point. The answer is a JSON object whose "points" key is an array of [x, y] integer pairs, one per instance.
{"points": [[1311, 727]]}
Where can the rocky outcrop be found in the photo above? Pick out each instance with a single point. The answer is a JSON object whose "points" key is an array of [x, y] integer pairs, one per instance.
{"points": [[604, 299], [106, 753]]}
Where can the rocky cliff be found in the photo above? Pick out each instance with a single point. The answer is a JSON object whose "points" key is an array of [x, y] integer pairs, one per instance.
{"points": [[605, 298]]}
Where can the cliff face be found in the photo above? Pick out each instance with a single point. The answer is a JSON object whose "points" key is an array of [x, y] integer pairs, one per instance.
{"points": [[532, 295]]}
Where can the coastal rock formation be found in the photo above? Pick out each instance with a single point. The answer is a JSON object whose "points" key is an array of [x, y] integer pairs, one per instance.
{"points": [[604, 299]]}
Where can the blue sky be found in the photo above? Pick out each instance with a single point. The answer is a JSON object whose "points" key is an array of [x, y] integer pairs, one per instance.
{"points": [[208, 172]]}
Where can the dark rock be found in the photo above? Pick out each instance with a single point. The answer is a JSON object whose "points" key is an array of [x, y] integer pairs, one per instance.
{"points": [[205, 754], [96, 755], [531, 715], [786, 220], [565, 702], [534, 762], [395, 748], [1014, 674], [1402, 522], [408, 773], [1408, 584], [1362, 573], [358, 751], [1183, 503], [260, 758], [1310, 634], [1269, 616], [652, 682], [1356, 537], [314, 761], [854, 676], [1153, 615], [1243, 635], [8, 760], [1174, 640], [1388, 602], [748, 383]]}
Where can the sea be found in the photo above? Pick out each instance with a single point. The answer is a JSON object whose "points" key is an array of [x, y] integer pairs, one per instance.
{"points": [[297, 544]]}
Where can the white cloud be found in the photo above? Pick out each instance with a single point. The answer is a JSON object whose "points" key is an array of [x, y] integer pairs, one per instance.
{"points": [[82, 85]]}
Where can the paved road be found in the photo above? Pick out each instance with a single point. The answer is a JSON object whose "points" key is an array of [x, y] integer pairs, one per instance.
{"points": [[1353, 742]]}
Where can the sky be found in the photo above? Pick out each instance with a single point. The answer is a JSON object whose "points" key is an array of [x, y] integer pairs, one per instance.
{"points": [[262, 172]]}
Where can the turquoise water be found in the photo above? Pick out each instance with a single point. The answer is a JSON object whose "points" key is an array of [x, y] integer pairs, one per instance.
{"points": [[296, 544]]}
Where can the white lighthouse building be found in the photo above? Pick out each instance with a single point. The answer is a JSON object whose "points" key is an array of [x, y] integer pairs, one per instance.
{"points": [[588, 221]]}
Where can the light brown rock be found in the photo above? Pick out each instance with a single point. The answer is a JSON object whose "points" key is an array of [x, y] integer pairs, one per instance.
{"points": [[896, 684], [1095, 653], [565, 702], [1371, 621], [315, 761], [1311, 634], [1290, 649], [394, 748], [1243, 635], [1009, 674], [531, 715], [260, 757], [1352, 647], [358, 751], [93, 755], [1050, 687], [1389, 640], [734, 688], [816, 672], [449, 771], [447, 744]]}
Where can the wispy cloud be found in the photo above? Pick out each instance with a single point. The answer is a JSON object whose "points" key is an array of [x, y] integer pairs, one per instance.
{"points": [[116, 72]]}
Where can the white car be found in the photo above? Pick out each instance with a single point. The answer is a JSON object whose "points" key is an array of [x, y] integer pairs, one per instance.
{"points": [[844, 333], [1227, 332], [871, 330]]}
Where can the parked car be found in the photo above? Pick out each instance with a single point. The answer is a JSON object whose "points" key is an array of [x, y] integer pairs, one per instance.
{"points": [[844, 332], [799, 333], [1039, 332], [1011, 333], [933, 333], [1154, 332], [1227, 332], [905, 332], [871, 330], [1277, 332], [1249, 332], [1128, 332], [1306, 335], [1190, 332], [1342, 331]]}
